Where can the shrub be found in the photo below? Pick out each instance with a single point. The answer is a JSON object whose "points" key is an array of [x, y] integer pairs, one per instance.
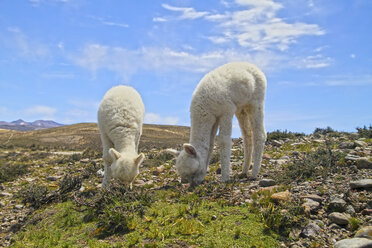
{"points": [[277, 135], [9, 172], [318, 163], [365, 132], [323, 131]]}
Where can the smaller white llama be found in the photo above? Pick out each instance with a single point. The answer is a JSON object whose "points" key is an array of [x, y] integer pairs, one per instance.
{"points": [[120, 119], [235, 88]]}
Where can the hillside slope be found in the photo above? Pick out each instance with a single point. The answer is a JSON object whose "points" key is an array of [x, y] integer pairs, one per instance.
{"points": [[86, 135]]}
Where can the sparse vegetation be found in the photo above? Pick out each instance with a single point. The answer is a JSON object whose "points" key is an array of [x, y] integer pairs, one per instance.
{"points": [[278, 135], [365, 132]]}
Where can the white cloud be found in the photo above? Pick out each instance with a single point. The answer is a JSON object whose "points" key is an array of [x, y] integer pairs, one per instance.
{"points": [[126, 62], [40, 112], [152, 118], [187, 13], [24, 46], [255, 25], [314, 61]]}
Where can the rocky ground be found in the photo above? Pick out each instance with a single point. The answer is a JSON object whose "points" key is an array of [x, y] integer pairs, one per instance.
{"points": [[314, 190]]}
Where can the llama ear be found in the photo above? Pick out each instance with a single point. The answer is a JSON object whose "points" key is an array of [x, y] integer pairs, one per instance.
{"points": [[114, 154], [173, 152], [138, 161], [189, 149]]}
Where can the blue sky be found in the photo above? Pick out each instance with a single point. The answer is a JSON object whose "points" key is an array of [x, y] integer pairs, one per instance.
{"points": [[59, 57]]}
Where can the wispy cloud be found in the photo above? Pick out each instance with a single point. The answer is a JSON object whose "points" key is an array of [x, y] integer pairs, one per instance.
{"points": [[111, 23], [25, 46], [186, 13], [255, 26], [126, 62], [152, 118], [40, 112], [314, 61]]}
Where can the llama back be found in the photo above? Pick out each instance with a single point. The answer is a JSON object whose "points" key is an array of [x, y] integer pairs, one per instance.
{"points": [[121, 108], [238, 82]]}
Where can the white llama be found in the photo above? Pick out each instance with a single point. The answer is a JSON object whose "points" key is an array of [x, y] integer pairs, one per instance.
{"points": [[234, 88], [120, 118]]}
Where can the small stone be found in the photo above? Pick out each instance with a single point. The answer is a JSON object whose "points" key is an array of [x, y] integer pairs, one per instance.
{"points": [[84, 160], [53, 178], [361, 184], [281, 196], [267, 182], [339, 218], [363, 163], [276, 143], [311, 230], [351, 157], [346, 145], [313, 197], [367, 211], [213, 217], [2, 194], [18, 206], [337, 205], [350, 210], [310, 205], [334, 226], [359, 143], [159, 170], [354, 243], [100, 173], [364, 232]]}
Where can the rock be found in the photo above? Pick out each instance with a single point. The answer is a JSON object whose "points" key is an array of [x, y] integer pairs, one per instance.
{"points": [[337, 205], [84, 160], [351, 157], [334, 226], [266, 182], [53, 178], [359, 143], [19, 206], [159, 170], [361, 184], [281, 196], [276, 143], [311, 230], [100, 173], [350, 210], [346, 145], [338, 218], [354, 243], [310, 205], [363, 163], [213, 217], [313, 197], [367, 211], [364, 232]]}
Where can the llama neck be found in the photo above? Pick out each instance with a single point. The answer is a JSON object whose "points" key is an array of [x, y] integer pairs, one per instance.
{"points": [[200, 139], [126, 145]]}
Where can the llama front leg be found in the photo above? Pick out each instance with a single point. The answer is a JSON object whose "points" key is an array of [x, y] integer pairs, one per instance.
{"points": [[107, 144], [224, 141], [259, 138]]}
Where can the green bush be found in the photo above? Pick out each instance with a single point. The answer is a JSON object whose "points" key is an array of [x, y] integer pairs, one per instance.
{"points": [[365, 132], [9, 172], [278, 135]]}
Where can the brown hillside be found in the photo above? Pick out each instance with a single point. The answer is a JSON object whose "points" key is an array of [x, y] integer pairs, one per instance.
{"points": [[86, 135]]}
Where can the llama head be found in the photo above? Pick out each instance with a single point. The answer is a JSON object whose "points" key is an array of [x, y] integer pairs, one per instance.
{"points": [[188, 165], [125, 167]]}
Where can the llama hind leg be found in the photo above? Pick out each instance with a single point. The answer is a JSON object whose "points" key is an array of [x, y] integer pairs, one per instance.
{"points": [[245, 128], [224, 141], [259, 138]]}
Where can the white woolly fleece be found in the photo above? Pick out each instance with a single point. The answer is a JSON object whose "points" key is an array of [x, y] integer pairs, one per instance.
{"points": [[235, 88], [120, 119]]}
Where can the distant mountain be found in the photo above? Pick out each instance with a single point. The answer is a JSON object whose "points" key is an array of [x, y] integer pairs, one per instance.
{"points": [[22, 125]]}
